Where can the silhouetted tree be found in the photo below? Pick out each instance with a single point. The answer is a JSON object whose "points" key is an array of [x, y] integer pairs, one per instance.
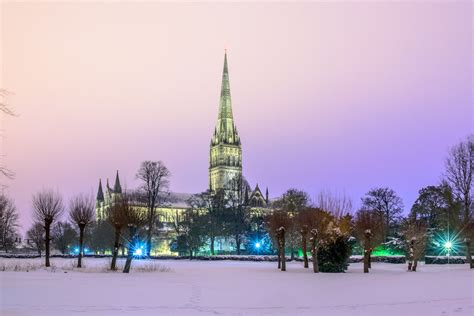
{"points": [[8, 223], [63, 236], [415, 233], [47, 208], [81, 212], [387, 203], [4, 108], [238, 221], [135, 220], [369, 228], [36, 235], [117, 217], [155, 184], [292, 202], [277, 223], [459, 174]]}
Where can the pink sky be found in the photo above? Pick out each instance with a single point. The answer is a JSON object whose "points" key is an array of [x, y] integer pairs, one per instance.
{"points": [[343, 96]]}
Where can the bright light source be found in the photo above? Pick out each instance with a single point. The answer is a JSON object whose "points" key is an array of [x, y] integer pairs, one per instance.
{"points": [[257, 245], [448, 245], [138, 252], [76, 249], [86, 250]]}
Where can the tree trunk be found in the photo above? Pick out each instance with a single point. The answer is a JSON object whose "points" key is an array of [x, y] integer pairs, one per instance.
{"points": [[149, 232], [314, 254], [212, 244], [81, 245], [116, 250], [283, 257], [279, 252], [305, 255], [415, 264], [292, 254], [367, 254], [128, 263], [468, 253], [47, 227], [370, 258], [237, 241]]}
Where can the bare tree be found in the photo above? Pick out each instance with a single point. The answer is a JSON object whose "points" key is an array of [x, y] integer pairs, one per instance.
{"points": [[292, 202], [386, 202], [278, 223], [415, 232], [318, 222], [36, 235], [81, 212], [47, 208], [135, 219], [369, 228], [117, 217], [459, 174], [4, 108], [334, 203], [155, 177], [8, 223]]}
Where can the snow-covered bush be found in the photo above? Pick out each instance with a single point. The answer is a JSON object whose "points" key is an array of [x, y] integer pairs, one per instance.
{"points": [[334, 253]]}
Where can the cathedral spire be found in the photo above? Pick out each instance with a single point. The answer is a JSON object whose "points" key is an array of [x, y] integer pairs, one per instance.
{"points": [[225, 127], [117, 186]]}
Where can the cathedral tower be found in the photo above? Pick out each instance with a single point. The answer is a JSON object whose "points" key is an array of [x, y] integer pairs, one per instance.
{"points": [[226, 152]]}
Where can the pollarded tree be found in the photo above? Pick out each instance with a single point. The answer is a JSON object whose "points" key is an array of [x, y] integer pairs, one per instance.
{"points": [[155, 184], [292, 202], [318, 222], [36, 235], [386, 202], [369, 228], [117, 217], [459, 174], [135, 220], [47, 208], [8, 223], [415, 234], [278, 223], [81, 212]]}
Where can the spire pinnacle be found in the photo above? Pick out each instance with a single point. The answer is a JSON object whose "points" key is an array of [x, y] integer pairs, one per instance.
{"points": [[117, 186], [100, 192]]}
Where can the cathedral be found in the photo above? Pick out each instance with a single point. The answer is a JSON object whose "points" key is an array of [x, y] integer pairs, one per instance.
{"points": [[225, 165]]}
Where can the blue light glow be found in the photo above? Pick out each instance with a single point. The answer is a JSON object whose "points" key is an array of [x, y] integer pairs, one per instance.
{"points": [[257, 245]]}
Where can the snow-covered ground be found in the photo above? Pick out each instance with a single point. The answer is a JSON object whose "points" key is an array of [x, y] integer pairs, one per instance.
{"points": [[169, 287]]}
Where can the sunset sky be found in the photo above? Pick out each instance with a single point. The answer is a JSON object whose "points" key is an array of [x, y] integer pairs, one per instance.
{"points": [[341, 96]]}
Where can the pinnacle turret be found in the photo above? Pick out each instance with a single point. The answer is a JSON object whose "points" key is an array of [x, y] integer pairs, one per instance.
{"points": [[117, 186], [100, 192]]}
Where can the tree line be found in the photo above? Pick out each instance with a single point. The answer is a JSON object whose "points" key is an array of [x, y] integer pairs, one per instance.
{"points": [[324, 231]]}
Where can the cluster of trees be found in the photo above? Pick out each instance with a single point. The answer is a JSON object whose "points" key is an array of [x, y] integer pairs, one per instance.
{"points": [[225, 213]]}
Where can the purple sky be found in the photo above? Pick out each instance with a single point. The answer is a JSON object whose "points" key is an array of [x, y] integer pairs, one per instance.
{"points": [[339, 96]]}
